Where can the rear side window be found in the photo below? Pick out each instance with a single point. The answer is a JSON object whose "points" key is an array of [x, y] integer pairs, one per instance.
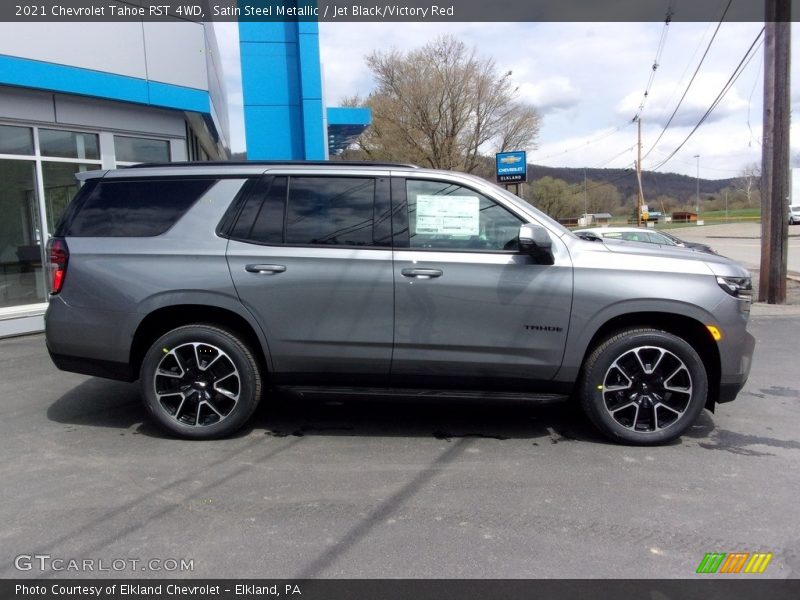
{"points": [[314, 211], [261, 219], [131, 208]]}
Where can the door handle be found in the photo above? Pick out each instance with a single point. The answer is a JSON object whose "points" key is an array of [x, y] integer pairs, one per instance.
{"points": [[265, 269], [421, 273]]}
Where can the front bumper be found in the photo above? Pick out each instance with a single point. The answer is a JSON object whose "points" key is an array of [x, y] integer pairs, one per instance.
{"points": [[736, 368]]}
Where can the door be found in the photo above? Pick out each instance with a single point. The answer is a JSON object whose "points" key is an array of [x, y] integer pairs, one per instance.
{"points": [[470, 309], [310, 257]]}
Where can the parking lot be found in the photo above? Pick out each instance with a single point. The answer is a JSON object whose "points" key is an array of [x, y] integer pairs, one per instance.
{"points": [[394, 489], [399, 488], [742, 242]]}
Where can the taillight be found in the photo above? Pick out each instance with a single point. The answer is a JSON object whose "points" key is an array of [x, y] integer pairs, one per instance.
{"points": [[59, 256]]}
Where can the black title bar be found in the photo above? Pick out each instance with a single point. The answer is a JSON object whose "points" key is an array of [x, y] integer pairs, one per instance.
{"points": [[707, 588], [377, 11]]}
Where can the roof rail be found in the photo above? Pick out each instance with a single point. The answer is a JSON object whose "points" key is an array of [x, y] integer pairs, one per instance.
{"points": [[247, 163]]}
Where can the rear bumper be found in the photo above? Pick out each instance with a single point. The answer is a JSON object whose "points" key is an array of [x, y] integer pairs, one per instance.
{"points": [[94, 367], [90, 342]]}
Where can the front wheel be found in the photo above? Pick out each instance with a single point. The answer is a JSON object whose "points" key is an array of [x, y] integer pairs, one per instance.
{"points": [[200, 382], [643, 387]]}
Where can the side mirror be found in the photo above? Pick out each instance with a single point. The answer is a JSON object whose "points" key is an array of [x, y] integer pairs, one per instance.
{"points": [[534, 240], [588, 236]]}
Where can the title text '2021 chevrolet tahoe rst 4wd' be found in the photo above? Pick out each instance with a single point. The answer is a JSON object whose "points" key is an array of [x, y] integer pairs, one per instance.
{"points": [[212, 283]]}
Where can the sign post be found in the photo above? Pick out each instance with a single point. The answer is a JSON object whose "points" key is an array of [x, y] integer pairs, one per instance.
{"points": [[512, 168]]}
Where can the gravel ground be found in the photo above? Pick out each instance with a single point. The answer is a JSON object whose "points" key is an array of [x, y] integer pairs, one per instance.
{"points": [[792, 288]]}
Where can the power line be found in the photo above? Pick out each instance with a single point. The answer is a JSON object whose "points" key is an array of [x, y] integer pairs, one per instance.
{"points": [[585, 144], [705, 167], [627, 173], [725, 89], [686, 91], [749, 104], [689, 63], [656, 61], [616, 156]]}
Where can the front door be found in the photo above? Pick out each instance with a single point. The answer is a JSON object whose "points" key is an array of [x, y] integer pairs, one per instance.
{"points": [[470, 309]]}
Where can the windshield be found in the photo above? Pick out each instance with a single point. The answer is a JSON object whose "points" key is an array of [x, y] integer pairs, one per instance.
{"points": [[666, 238]]}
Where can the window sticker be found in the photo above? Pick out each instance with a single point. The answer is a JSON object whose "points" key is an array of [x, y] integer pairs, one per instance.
{"points": [[448, 215]]}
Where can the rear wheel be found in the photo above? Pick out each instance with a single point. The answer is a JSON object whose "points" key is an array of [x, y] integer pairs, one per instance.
{"points": [[200, 382], [643, 387]]}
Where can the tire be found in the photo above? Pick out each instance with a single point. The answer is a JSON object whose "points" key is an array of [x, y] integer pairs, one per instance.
{"points": [[643, 387], [200, 382]]}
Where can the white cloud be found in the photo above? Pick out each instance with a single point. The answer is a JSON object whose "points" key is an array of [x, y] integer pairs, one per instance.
{"points": [[550, 94], [588, 80], [663, 99]]}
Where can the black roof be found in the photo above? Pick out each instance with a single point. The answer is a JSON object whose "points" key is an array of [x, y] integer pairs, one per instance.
{"points": [[267, 163]]}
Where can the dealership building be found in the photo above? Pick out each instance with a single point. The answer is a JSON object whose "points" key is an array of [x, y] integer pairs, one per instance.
{"points": [[77, 96]]}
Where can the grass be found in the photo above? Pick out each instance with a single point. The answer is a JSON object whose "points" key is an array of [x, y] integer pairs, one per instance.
{"points": [[711, 217]]}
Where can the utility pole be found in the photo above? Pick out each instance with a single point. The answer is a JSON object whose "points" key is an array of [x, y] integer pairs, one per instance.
{"points": [[640, 193], [775, 153], [585, 201], [697, 202]]}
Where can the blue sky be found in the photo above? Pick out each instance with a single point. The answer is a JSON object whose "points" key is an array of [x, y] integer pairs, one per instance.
{"points": [[587, 80]]}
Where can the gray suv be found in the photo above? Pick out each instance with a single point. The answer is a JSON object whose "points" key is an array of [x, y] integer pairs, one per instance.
{"points": [[213, 283]]}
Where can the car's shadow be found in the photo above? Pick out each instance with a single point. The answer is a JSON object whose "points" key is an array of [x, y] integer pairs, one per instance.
{"points": [[103, 403]]}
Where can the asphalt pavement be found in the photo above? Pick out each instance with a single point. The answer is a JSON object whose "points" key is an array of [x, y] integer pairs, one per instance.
{"points": [[399, 488], [742, 242]]}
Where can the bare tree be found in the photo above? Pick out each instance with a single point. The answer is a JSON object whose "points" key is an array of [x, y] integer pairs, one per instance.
{"points": [[442, 106], [749, 180]]}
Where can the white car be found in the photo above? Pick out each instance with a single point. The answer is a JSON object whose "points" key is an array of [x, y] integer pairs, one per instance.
{"points": [[648, 236], [794, 215]]}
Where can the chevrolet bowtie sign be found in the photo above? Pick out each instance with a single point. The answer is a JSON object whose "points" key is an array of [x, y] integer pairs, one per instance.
{"points": [[512, 167]]}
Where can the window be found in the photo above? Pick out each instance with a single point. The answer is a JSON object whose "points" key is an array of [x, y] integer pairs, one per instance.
{"points": [[132, 208], [69, 144], [60, 186], [445, 216], [261, 218], [16, 140], [195, 150], [139, 150], [636, 236], [657, 238], [330, 211], [311, 211], [21, 274]]}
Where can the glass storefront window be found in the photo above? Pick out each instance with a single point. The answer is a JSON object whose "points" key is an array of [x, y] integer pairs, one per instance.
{"points": [[139, 150], [60, 186], [21, 273], [69, 144], [30, 207], [16, 140]]}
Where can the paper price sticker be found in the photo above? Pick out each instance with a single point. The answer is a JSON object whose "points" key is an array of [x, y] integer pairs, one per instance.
{"points": [[448, 215]]}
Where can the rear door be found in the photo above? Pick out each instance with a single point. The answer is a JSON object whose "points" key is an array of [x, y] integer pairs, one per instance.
{"points": [[470, 309], [310, 256]]}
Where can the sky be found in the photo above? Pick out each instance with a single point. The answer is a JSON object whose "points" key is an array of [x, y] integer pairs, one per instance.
{"points": [[587, 80]]}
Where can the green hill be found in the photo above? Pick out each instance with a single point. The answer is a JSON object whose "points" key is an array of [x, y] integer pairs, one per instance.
{"points": [[680, 187]]}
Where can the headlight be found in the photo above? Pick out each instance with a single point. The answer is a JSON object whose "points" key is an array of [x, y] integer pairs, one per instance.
{"points": [[738, 287]]}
